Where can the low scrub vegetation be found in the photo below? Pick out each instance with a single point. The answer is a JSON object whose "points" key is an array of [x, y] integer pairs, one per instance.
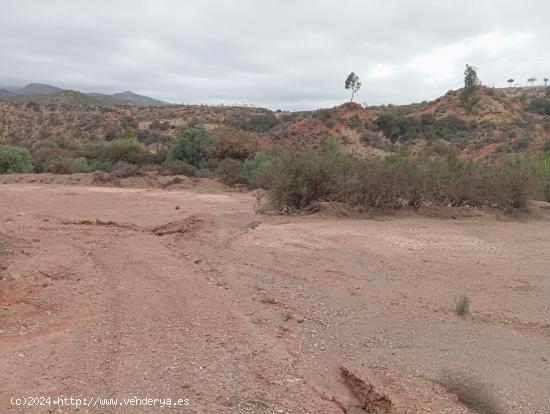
{"points": [[259, 122], [402, 180], [56, 157], [539, 105], [399, 128], [293, 179], [104, 154]]}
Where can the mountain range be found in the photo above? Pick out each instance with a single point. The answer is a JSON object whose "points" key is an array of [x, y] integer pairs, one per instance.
{"points": [[43, 93]]}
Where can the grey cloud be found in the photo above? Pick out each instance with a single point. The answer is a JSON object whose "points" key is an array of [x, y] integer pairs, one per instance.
{"points": [[277, 53]]}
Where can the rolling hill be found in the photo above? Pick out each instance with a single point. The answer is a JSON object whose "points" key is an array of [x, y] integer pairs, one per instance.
{"points": [[504, 121], [38, 89], [46, 94], [6, 93], [128, 98]]}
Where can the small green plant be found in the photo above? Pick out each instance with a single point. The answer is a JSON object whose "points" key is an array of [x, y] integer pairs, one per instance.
{"points": [[462, 305]]}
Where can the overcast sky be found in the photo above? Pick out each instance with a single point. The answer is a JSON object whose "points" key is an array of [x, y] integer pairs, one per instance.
{"points": [[289, 54]]}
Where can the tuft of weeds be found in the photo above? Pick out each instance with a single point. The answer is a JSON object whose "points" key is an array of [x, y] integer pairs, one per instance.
{"points": [[462, 305]]}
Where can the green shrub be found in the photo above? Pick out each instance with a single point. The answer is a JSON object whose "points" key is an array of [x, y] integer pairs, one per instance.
{"points": [[80, 165], [539, 105], [179, 167], [229, 170], [67, 166], [402, 128], [371, 182], [103, 154], [233, 143], [515, 178], [399, 180], [454, 182], [542, 173], [129, 134], [255, 122], [14, 160], [191, 144], [56, 157], [305, 177], [257, 171]]}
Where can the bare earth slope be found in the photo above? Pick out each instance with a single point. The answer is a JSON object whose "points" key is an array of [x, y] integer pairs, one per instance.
{"points": [[115, 292]]}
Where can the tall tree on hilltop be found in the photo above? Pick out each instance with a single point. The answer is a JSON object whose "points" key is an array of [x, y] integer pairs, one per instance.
{"points": [[468, 96], [352, 82], [545, 81], [510, 81]]}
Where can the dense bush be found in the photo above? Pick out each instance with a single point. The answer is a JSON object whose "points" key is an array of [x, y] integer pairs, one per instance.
{"points": [[192, 145], [542, 172], [304, 177], [179, 167], [57, 157], [14, 160], [399, 180], [258, 170], [259, 122], [233, 143], [229, 171], [514, 178], [402, 128], [103, 154], [539, 105]]}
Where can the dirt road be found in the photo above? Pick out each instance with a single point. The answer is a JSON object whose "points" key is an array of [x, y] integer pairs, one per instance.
{"points": [[187, 294]]}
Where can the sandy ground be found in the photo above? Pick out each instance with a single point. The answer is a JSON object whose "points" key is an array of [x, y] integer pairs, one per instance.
{"points": [[184, 292]]}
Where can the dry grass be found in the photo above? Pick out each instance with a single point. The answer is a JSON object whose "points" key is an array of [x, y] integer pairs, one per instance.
{"points": [[462, 305]]}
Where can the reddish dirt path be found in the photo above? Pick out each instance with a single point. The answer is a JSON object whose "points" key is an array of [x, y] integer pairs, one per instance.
{"points": [[113, 292]]}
